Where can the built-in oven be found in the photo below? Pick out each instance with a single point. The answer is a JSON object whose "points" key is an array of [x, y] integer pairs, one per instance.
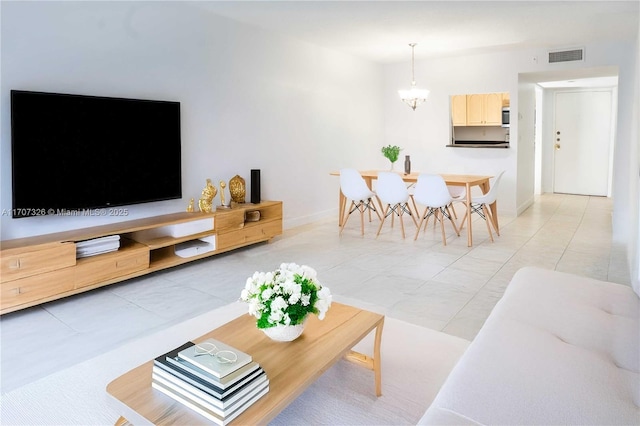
{"points": [[505, 116]]}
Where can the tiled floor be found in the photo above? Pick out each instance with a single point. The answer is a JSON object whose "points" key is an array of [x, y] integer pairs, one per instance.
{"points": [[450, 288]]}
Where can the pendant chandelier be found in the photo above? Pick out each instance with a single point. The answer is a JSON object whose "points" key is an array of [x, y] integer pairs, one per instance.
{"points": [[413, 96]]}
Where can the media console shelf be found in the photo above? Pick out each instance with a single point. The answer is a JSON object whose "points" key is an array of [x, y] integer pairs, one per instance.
{"points": [[40, 269]]}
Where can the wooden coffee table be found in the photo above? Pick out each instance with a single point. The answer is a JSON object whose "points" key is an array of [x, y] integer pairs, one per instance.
{"points": [[290, 366]]}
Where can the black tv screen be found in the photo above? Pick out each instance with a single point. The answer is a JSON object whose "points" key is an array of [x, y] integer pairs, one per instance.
{"points": [[76, 152]]}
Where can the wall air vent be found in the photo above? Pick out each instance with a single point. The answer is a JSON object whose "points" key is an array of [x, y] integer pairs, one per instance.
{"points": [[566, 55]]}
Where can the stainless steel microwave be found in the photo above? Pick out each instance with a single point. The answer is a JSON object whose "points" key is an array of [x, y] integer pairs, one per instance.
{"points": [[505, 116]]}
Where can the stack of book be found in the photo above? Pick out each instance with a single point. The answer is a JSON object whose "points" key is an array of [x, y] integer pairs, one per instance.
{"points": [[97, 246], [217, 390]]}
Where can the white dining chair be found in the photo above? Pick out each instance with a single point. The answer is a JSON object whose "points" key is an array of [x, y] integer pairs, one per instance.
{"points": [[481, 205], [354, 188], [431, 191], [394, 196]]}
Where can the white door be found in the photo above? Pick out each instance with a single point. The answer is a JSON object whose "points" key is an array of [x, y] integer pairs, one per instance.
{"points": [[582, 139]]}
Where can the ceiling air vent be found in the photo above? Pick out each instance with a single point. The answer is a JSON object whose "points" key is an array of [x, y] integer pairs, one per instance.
{"points": [[566, 55]]}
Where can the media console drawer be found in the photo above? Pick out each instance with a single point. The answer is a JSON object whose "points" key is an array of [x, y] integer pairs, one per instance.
{"points": [[36, 287], [17, 264], [108, 266], [248, 235]]}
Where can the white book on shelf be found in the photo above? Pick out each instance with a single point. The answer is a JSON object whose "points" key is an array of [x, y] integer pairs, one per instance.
{"points": [[97, 241]]}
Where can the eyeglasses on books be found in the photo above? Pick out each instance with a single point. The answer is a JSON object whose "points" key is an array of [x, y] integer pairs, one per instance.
{"points": [[223, 357]]}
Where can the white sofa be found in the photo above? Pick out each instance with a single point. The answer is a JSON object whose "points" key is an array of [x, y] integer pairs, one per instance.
{"points": [[558, 349]]}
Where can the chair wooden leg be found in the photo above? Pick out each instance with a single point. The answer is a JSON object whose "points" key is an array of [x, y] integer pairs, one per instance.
{"points": [[435, 220], [400, 215], [379, 205], [372, 206], [426, 224], [346, 218], [453, 223], [488, 219], [493, 220], [384, 216], [453, 209], [378, 210], [463, 221], [411, 213], [415, 207], [362, 208], [444, 236], [420, 226]]}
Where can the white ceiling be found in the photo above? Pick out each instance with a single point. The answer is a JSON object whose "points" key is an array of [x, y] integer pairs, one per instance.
{"points": [[380, 31]]}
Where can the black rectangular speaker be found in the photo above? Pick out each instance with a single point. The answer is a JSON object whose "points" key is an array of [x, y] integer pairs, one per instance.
{"points": [[255, 186]]}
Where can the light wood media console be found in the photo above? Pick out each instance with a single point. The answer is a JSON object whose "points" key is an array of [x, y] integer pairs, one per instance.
{"points": [[40, 269]]}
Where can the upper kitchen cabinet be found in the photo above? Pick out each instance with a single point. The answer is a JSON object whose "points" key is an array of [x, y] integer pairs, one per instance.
{"points": [[505, 100], [459, 110], [484, 109], [478, 109]]}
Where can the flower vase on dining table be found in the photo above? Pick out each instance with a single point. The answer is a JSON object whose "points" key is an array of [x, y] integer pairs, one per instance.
{"points": [[391, 153]]}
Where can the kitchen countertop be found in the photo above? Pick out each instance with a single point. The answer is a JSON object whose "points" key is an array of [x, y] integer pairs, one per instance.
{"points": [[479, 144]]}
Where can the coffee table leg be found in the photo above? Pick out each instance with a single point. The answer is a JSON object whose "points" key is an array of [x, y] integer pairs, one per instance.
{"points": [[373, 363], [122, 422]]}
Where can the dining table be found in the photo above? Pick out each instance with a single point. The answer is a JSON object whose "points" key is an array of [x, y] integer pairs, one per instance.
{"points": [[468, 181]]}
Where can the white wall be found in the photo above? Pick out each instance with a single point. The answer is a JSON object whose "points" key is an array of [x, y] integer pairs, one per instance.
{"points": [[633, 242], [250, 98], [526, 146]]}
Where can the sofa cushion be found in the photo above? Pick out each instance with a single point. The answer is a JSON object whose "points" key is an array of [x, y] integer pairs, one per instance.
{"points": [[557, 349]]}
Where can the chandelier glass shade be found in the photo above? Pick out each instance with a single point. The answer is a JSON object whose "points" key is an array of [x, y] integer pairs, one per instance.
{"points": [[413, 96]]}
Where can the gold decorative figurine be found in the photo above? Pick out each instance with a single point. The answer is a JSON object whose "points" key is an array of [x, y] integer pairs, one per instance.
{"points": [[190, 206], [237, 189], [208, 193]]}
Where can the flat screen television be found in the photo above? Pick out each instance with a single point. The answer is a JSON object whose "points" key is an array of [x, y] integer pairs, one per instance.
{"points": [[71, 153]]}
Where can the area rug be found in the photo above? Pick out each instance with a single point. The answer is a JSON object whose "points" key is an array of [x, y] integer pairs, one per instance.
{"points": [[415, 363]]}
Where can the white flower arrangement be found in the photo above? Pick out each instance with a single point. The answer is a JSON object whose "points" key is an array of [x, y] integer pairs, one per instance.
{"points": [[285, 296]]}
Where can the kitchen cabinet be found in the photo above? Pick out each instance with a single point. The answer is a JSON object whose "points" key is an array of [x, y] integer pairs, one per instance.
{"points": [[459, 110], [483, 109], [506, 100]]}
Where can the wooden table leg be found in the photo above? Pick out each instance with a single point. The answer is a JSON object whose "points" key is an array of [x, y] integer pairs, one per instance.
{"points": [[122, 422], [377, 361], [468, 204], [372, 363]]}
